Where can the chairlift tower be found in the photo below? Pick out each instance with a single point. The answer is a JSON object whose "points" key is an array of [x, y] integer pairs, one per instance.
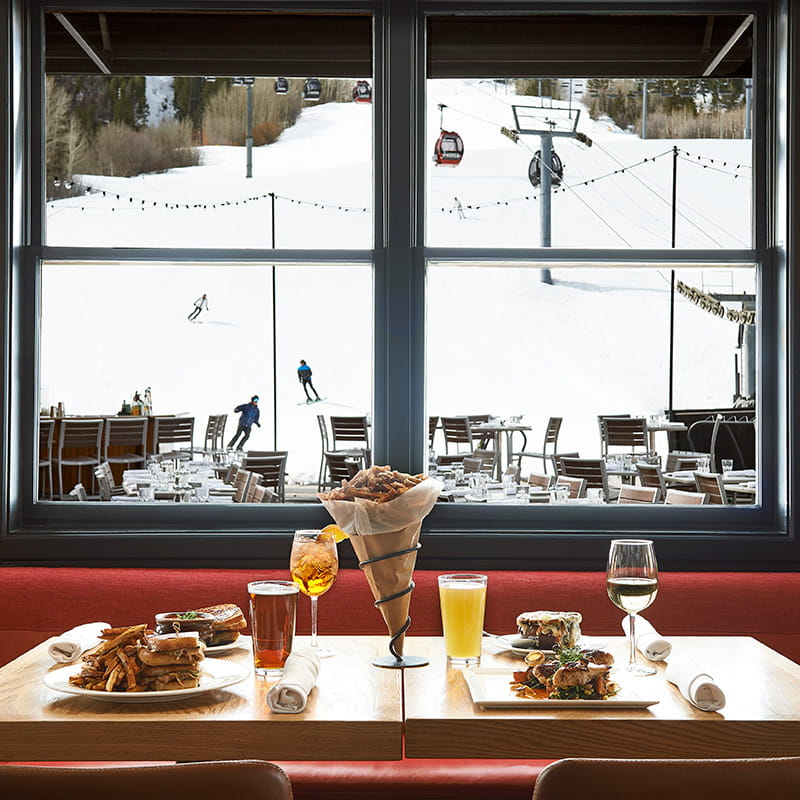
{"points": [[544, 126], [248, 82]]}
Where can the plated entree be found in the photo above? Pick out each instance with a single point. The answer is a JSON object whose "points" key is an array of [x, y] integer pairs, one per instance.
{"points": [[569, 674]]}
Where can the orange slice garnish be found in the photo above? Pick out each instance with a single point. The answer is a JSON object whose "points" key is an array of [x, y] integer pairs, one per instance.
{"points": [[335, 531]]}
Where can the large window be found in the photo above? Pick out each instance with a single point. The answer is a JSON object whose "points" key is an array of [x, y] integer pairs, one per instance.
{"points": [[447, 210]]}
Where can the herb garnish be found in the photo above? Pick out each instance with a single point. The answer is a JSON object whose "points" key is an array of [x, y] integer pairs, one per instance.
{"points": [[188, 615]]}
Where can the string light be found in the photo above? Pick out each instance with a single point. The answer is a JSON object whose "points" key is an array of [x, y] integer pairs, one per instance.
{"points": [[88, 190]]}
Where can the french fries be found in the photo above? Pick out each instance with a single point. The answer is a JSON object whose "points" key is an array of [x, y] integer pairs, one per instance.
{"points": [[379, 484], [112, 665]]}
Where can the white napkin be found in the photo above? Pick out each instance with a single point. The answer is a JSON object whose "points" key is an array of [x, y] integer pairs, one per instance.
{"points": [[290, 694], [71, 644], [649, 641], [695, 684]]}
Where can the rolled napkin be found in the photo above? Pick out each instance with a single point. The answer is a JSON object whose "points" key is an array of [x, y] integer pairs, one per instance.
{"points": [[71, 644], [649, 641], [290, 694], [695, 684]]}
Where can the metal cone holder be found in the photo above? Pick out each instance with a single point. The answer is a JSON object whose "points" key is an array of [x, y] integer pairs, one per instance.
{"points": [[396, 660]]}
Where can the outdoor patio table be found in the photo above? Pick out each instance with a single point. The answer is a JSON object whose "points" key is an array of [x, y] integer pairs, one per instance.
{"points": [[761, 717], [354, 713], [505, 443], [669, 427]]}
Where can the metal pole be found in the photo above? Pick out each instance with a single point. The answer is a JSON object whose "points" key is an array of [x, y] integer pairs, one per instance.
{"points": [[545, 165], [249, 131], [674, 188], [672, 282], [644, 108], [748, 97], [570, 98], [274, 340]]}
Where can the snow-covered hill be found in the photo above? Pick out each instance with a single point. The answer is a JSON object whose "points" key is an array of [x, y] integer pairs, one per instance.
{"points": [[499, 340]]}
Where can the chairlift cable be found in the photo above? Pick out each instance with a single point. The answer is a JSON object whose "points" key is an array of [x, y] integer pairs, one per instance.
{"points": [[668, 202]]}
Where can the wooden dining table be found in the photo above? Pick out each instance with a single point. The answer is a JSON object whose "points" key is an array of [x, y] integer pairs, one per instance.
{"points": [[354, 713], [361, 712], [761, 717]]}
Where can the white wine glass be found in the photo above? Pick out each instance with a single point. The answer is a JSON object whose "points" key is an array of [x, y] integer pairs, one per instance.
{"points": [[632, 585], [314, 564]]}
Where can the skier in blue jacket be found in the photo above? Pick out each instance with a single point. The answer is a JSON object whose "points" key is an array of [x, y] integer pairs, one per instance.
{"points": [[249, 417], [304, 376]]}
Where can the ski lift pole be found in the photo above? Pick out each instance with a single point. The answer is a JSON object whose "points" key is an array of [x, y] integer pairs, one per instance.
{"points": [[249, 131], [672, 280], [545, 218]]}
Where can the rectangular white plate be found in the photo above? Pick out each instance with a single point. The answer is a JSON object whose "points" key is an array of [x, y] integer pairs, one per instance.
{"points": [[490, 688]]}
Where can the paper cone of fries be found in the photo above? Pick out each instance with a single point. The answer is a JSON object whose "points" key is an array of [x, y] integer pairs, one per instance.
{"points": [[385, 537]]}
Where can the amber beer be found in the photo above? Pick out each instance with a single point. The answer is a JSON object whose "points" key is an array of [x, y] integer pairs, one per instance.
{"points": [[273, 607]]}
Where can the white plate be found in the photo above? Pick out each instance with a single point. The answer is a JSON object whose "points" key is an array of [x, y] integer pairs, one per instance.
{"points": [[223, 648], [490, 687], [521, 647], [213, 675]]}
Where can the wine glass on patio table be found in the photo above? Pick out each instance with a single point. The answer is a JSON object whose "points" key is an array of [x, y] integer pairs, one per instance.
{"points": [[314, 564], [632, 585]]}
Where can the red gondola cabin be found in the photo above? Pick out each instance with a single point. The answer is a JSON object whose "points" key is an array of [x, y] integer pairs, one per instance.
{"points": [[449, 149], [362, 92]]}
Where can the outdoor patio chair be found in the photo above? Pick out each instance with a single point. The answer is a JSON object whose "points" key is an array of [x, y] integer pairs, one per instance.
{"points": [[593, 470], [104, 469], [628, 434], [213, 441], [260, 494], [433, 424], [711, 484], [78, 493], [550, 440], [638, 495], [538, 479], [47, 428], [83, 436], [577, 486], [351, 429], [651, 475], [480, 439], [557, 459], [457, 432], [173, 432], [472, 465], [677, 497], [242, 482], [341, 467], [446, 460], [128, 434], [678, 460], [271, 466], [488, 459]]}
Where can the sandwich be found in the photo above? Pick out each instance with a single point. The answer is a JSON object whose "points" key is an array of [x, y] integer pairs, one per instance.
{"points": [[170, 661], [228, 621], [549, 629]]}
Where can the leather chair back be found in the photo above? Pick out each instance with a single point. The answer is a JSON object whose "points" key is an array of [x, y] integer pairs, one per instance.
{"points": [[253, 780], [731, 779]]}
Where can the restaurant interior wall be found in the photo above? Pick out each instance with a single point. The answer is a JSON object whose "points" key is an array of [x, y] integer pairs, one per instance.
{"points": [[764, 538]]}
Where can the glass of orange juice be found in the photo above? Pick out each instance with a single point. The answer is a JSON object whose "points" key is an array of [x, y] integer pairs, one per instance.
{"points": [[462, 597]]}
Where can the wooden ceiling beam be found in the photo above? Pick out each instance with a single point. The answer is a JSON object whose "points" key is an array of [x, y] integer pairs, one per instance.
{"points": [[83, 43]]}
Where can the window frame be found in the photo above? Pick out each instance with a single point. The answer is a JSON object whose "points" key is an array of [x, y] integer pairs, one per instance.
{"points": [[747, 538]]}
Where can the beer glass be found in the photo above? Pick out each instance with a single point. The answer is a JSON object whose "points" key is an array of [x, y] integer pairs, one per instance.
{"points": [[273, 608]]}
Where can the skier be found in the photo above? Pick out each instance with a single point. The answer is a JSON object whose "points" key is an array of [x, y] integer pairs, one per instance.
{"points": [[249, 417], [304, 376], [198, 307]]}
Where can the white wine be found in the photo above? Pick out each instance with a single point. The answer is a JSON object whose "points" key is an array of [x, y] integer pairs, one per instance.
{"points": [[632, 594]]}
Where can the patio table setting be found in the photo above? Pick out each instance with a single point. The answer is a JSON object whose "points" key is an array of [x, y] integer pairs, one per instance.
{"points": [[174, 481]]}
